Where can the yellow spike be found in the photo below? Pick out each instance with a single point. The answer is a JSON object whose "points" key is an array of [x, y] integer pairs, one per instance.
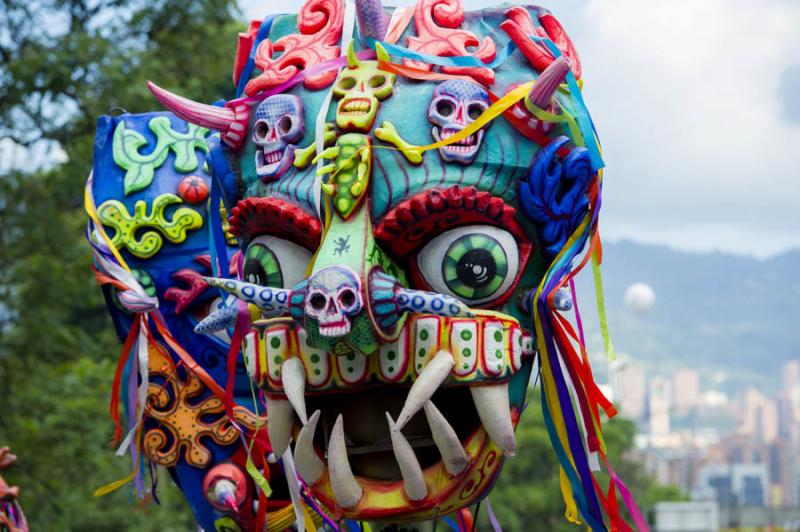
{"points": [[383, 55], [352, 60]]}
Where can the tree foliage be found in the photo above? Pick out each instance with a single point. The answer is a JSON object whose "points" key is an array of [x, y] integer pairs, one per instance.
{"points": [[63, 63]]}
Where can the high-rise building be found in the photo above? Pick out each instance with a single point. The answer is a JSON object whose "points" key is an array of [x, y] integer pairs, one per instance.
{"points": [[659, 401], [685, 390], [759, 417], [630, 388]]}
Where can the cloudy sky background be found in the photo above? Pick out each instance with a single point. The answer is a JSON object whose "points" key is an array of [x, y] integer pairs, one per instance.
{"points": [[698, 108]]}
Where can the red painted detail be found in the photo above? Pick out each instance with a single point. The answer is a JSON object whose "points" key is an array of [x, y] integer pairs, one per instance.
{"points": [[252, 217], [437, 24], [430, 213], [243, 48], [236, 134], [319, 25], [193, 189], [520, 27], [184, 297]]}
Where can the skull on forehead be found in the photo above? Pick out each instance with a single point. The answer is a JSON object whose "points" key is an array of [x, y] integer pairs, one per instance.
{"points": [[279, 125], [456, 104]]}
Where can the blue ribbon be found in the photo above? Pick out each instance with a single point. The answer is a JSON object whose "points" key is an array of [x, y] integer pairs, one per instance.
{"points": [[247, 71], [581, 114], [451, 61]]}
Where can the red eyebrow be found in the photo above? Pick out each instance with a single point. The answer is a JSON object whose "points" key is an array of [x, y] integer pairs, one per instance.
{"points": [[252, 217], [431, 212]]}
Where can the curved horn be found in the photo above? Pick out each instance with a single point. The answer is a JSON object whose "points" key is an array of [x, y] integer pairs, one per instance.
{"points": [[548, 82], [210, 116], [231, 121], [372, 19]]}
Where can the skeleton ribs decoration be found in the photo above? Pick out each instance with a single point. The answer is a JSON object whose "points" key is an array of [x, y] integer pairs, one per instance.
{"points": [[399, 262]]}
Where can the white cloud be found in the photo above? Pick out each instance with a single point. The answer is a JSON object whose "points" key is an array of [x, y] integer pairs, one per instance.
{"points": [[685, 97]]}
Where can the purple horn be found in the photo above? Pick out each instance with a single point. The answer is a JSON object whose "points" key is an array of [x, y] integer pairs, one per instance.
{"points": [[548, 82], [230, 121], [372, 19]]}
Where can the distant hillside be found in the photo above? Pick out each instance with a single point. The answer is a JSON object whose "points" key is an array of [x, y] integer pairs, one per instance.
{"points": [[714, 311]]}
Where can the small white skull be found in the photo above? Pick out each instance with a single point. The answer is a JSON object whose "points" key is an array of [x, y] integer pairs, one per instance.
{"points": [[333, 299], [279, 125]]}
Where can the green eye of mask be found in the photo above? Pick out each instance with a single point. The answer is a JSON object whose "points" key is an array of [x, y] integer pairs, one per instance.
{"points": [[262, 267], [474, 266]]}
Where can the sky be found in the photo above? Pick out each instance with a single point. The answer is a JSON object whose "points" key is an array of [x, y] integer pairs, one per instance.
{"points": [[697, 104]]}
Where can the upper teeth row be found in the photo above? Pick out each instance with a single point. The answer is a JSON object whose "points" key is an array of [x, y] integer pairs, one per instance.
{"points": [[484, 349]]}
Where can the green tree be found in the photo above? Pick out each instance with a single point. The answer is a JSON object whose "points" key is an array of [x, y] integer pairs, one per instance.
{"points": [[527, 496], [63, 63]]}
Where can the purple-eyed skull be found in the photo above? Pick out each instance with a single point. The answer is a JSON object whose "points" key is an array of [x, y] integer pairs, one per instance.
{"points": [[333, 299], [456, 104], [279, 125]]}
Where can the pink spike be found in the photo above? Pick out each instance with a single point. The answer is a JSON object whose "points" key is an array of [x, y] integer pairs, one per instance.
{"points": [[231, 122], [548, 82], [210, 116]]}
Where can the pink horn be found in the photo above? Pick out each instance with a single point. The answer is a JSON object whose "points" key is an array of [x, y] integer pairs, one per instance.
{"points": [[548, 82], [230, 121]]}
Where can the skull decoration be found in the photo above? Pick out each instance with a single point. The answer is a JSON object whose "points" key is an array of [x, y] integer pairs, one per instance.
{"points": [[456, 104], [334, 297], [279, 124], [360, 87]]}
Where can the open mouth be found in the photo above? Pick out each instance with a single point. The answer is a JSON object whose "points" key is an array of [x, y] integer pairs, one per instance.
{"points": [[411, 422], [355, 107], [268, 160], [466, 146]]}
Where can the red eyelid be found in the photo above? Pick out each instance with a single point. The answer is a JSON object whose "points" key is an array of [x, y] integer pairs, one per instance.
{"points": [[415, 221], [253, 217]]}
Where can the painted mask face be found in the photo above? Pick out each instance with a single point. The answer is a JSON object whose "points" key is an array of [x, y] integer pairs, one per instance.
{"points": [[456, 104], [396, 356], [359, 88], [279, 124]]}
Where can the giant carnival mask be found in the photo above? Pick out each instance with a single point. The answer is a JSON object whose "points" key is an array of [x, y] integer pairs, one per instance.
{"points": [[400, 267]]}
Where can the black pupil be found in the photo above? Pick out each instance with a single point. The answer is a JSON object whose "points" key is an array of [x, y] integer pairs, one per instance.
{"points": [[476, 268], [261, 130], [317, 301], [347, 298], [445, 107], [254, 272], [474, 111]]}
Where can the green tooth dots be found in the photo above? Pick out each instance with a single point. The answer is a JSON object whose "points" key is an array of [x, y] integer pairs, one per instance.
{"points": [[261, 266], [475, 266]]}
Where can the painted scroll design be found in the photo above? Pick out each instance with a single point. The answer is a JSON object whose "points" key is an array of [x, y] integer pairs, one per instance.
{"points": [[319, 25], [438, 25], [185, 418], [140, 167], [114, 214], [520, 27]]}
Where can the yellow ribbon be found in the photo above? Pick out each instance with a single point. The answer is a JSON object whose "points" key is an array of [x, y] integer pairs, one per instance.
{"points": [[114, 486], [601, 306], [91, 210]]}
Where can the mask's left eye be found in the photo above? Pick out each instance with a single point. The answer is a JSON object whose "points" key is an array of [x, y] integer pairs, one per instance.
{"points": [[275, 262], [477, 263]]}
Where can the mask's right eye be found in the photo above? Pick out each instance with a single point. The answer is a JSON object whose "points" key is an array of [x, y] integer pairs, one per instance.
{"points": [[275, 262]]}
